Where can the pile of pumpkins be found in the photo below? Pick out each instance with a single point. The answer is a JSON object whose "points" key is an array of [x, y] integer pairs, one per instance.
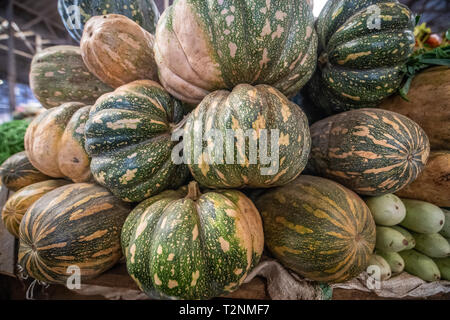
{"points": [[98, 180]]}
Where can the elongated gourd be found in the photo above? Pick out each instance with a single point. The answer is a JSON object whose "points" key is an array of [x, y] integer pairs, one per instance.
{"points": [[420, 265], [433, 245], [387, 210], [394, 260], [423, 217], [389, 239]]}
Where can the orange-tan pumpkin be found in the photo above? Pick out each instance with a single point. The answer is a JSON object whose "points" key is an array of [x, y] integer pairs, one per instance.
{"points": [[54, 142], [117, 50]]}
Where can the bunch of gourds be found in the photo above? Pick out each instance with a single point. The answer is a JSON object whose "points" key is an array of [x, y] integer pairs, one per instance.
{"points": [[119, 103]]}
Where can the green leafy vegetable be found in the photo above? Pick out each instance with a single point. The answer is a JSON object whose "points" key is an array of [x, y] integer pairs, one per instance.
{"points": [[11, 138]]}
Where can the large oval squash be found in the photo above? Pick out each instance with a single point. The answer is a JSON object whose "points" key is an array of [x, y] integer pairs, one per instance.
{"points": [[118, 51], [371, 151], [54, 142], [258, 121], [59, 75], [318, 228], [129, 138], [203, 46], [143, 12], [187, 245], [19, 202], [18, 172], [363, 46], [74, 225]]}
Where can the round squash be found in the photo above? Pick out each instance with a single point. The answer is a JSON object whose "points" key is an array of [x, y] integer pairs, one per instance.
{"points": [[203, 46], [371, 151], [429, 105], [318, 228], [192, 246], [59, 75], [128, 136], [19, 202], [363, 46], [143, 12], [272, 119], [117, 50], [74, 225], [433, 184], [54, 142], [18, 172]]}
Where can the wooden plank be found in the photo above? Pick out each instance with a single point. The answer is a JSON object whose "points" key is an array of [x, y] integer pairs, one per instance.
{"points": [[7, 242]]}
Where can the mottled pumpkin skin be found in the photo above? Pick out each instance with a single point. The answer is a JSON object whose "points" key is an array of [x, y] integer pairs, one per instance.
{"points": [[359, 63], [128, 136], [247, 107], [143, 12], [318, 228], [117, 50], [19, 202], [203, 46], [78, 224], [185, 247], [371, 151], [18, 172], [54, 142], [59, 75]]}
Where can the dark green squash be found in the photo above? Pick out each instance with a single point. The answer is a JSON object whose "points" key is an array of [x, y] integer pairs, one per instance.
{"points": [[318, 228], [143, 12], [360, 61], [129, 137], [275, 127], [58, 75], [18, 172], [74, 225], [187, 245], [371, 151], [203, 46]]}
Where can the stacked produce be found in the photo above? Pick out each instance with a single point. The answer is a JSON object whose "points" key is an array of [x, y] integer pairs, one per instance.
{"points": [[138, 126], [408, 237]]}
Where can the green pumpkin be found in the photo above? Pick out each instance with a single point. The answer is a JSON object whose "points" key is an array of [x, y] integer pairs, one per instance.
{"points": [[360, 61], [187, 245], [129, 137], [203, 46], [143, 12], [318, 228], [371, 151], [58, 75], [266, 112], [74, 225]]}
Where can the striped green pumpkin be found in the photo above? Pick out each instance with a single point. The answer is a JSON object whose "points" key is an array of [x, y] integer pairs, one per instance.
{"points": [[143, 12], [59, 75], [359, 61], [18, 172], [74, 225], [318, 228], [128, 136], [187, 245], [371, 151], [202, 46], [246, 108], [19, 202]]}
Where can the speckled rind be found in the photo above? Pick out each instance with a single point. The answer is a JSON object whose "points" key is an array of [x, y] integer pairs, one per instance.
{"points": [[318, 228], [74, 225], [359, 62], [58, 75], [181, 248], [247, 108], [371, 151], [203, 46], [129, 137]]}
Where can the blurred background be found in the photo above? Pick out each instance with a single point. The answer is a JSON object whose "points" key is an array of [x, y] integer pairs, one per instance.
{"points": [[28, 26]]}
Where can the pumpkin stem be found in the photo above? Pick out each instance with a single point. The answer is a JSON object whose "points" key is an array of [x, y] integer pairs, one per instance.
{"points": [[323, 60], [193, 191]]}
